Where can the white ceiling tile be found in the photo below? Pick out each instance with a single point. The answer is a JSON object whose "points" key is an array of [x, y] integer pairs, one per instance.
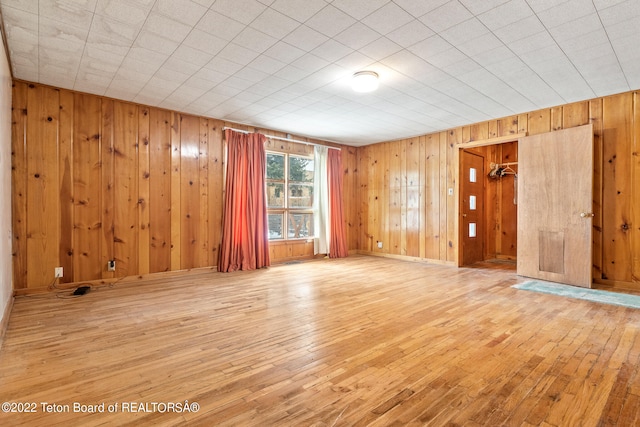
{"points": [[20, 26], [309, 63], [244, 11], [111, 35], [284, 52], [151, 41], [22, 5], [73, 13], [505, 14], [274, 23], [300, 10], [186, 55], [266, 64], [481, 44], [219, 25], [355, 61], [566, 12], [620, 12], [330, 21], [410, 34], [542, 5], [357, 36], [417, 8], [446, 16], [254, 40], [464, 31], [388, 18], [224, 66], [205, 42], [532, 43], [520, 29], [430, 47], [359, 8], [166, 27], [332, 50], [305, 38], [123, 11], [380, 48], [185, 11], [238, 54], [477, 7]]}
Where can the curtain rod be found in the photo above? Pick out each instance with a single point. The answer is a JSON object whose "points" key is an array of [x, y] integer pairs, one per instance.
{"points": [[285, 139]]}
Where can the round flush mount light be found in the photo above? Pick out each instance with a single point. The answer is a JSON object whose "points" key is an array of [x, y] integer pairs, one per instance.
{"points": [[365, 81]]}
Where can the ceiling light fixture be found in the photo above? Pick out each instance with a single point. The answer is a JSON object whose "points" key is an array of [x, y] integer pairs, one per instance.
{"points": [[365, 81]]}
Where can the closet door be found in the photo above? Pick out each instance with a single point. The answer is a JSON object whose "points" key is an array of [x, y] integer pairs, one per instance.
{"points": [[555, 199]]}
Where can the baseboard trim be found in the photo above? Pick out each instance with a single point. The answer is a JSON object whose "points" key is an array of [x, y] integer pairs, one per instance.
{"points": [[616, 284], [120, 281], [4, 323], [407, 258]]}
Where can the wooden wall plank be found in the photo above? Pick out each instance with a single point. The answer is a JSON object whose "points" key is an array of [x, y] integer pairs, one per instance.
{"points": [[216, 179], [65, 168], [160, 183], [433, 192], [86, 187], [508, 126], [43, 203], [125, 162], [635, 191], [413, 202], [144, 190], [442, 204], [508, 209], [616, 203], [395, 199], [19, 117], [202, 246], [176, 199], [189, 191], [539, 121], [595, 114], [108, 188], [454, 138], [556, 118], [575, 114]]}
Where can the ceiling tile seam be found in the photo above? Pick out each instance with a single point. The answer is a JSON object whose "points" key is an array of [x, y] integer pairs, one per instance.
{"points": [[593, 92], [84, 48], [484, 68], [612, 47]]}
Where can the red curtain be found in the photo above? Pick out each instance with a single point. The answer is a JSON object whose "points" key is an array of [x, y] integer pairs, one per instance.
{"points": [[245, 244], [338, 236]]}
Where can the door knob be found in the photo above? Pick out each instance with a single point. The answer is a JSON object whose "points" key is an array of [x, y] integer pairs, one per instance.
{"points": [[586, 214], [464, 215]]}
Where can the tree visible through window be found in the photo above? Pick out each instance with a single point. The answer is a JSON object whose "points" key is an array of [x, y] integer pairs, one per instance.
{"points": [[289, 196]]}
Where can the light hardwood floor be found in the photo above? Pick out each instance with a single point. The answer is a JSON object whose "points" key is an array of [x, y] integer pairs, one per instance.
{"points": [[357, 341]]}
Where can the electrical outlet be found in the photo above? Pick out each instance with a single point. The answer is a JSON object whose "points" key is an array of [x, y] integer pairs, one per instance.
{"points": [[379, 245], [58, 272], [111, 265]]}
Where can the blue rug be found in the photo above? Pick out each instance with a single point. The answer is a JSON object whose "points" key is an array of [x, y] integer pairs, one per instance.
{"points": [[593, 295]]}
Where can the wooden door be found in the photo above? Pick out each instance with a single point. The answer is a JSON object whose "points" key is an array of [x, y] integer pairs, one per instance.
{"points": [[555, 199], [472, 207]]}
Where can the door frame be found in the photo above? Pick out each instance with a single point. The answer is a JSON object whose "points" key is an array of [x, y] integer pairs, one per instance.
{"points": [[480, 143]]}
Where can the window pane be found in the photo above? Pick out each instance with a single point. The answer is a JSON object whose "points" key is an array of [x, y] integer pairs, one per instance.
{"points": [[300, 169], [472, 203], [472, 174], [472, 229], [300, 195], [275, 166], [275, 226], [275, 195], [300, 225]]}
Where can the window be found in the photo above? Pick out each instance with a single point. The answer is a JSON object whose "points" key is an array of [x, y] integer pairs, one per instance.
{"points": [[289, 196]]}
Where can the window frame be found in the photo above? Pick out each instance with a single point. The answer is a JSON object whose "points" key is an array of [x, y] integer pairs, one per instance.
{"points": [[285, 211]]}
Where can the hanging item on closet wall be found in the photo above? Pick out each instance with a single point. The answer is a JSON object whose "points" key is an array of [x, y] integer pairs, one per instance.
{"points": [[500, 170]]}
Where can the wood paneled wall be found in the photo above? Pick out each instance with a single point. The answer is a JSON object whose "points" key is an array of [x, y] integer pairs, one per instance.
{"points": [[403, 185], [95, 179]]}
